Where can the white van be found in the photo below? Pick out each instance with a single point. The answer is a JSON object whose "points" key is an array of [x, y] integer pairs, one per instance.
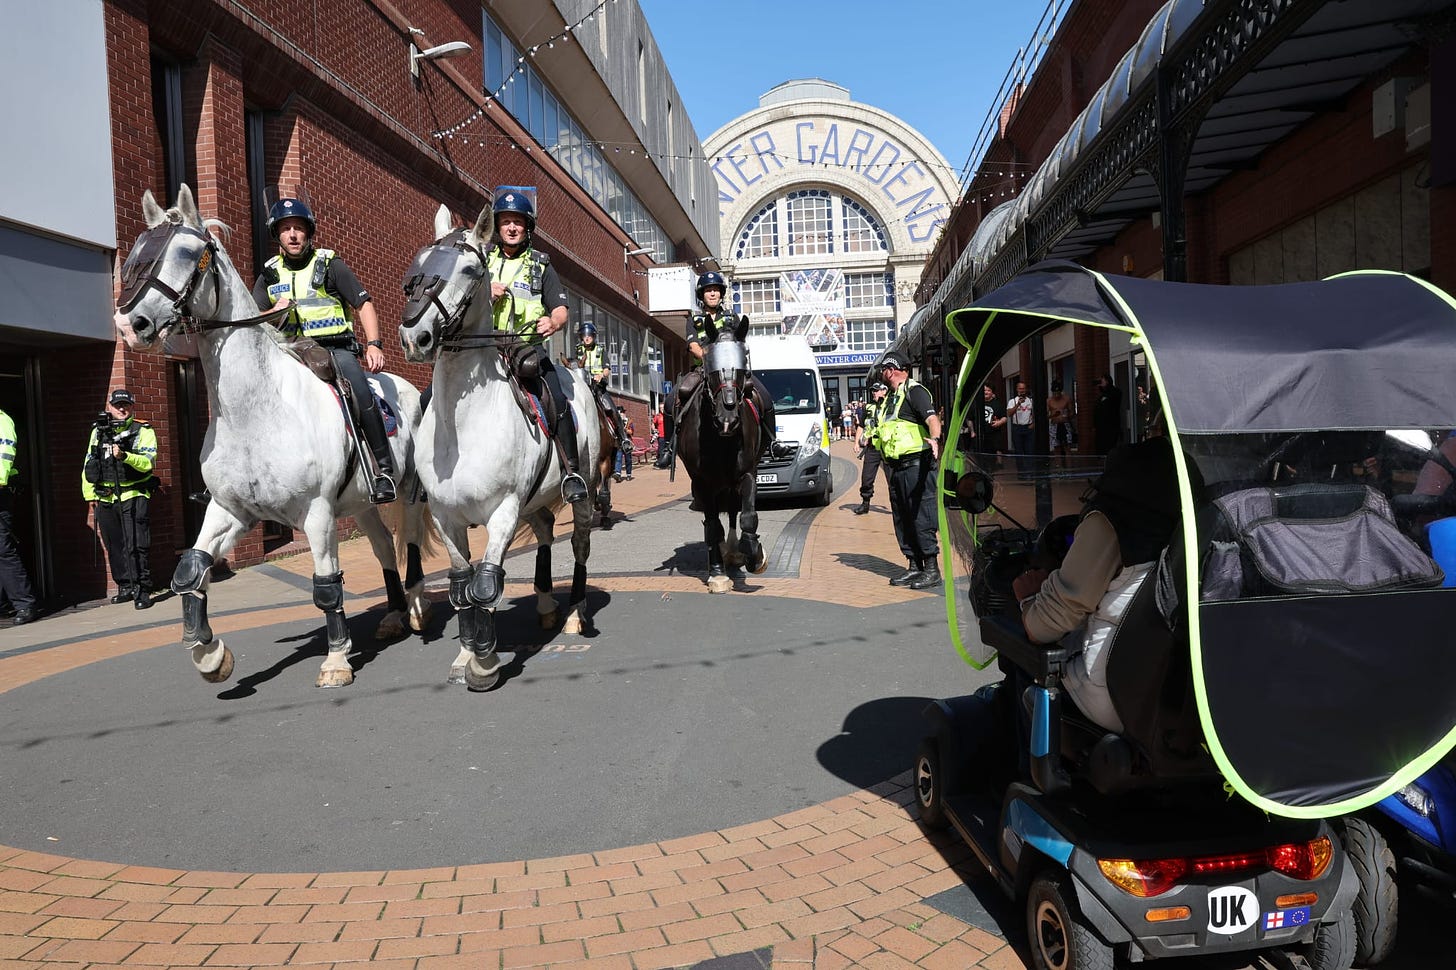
{"points": [[800, 466]]}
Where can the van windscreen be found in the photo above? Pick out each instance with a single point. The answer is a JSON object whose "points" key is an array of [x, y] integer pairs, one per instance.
{"points": [[793, 391]]}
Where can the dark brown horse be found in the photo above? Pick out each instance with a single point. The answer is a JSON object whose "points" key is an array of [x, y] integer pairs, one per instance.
{"points": [[718, 443]]}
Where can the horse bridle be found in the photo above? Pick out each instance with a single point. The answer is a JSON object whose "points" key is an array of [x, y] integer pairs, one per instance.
{"points": [[423, 292], [140, 274]]}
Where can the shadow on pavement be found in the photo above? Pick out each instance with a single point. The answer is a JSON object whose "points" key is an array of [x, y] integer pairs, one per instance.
{"points": [[870, 564], [877, 742]]}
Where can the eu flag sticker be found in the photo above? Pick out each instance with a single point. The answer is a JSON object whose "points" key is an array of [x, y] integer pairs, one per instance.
{"points": [[1283, 918]]}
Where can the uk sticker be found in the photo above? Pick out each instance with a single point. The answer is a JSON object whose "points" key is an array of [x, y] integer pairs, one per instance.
{"points": [[1231, 909], [1285, 918]]}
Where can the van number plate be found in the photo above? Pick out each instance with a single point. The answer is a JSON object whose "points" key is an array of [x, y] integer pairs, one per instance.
{"points": [[768, 479]]}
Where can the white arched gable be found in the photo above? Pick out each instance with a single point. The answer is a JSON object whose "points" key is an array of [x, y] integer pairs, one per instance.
{"points": [[865, 153]]}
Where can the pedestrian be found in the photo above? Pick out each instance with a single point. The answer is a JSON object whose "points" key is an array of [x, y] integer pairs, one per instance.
{"points": [[1107, 415], [869, 440], [117, 479], [989, 434], [847, 421], [14, 580], [909, 441], [320, 289], [624, 455], [1059, 421], [1023, 428]]}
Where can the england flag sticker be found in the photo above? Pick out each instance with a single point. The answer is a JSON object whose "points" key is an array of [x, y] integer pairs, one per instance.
{"points": [[1285, 918]]}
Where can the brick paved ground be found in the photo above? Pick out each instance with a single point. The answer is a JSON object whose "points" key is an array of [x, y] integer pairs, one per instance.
{"points": [[838, 884]]}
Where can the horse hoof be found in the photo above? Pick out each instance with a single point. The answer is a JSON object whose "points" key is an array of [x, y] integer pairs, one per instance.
{"points": [[335, 677], [572, 626], [419, 619], [719, 584], [477, 679], [760, 565], [549, 620], [457, 675], [391, 627], [224, 670]]}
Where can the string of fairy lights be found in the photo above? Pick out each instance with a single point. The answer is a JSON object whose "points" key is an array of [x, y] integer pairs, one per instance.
{"points": [[1010, 176]]}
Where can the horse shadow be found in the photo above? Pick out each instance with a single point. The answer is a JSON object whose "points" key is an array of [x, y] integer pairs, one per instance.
{"points": [[691, 560], [869, 564], [519, 634], [314, 644]]}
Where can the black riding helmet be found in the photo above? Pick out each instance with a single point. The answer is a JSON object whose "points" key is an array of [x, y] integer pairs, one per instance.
{"points": [[709, 280], [517, 202], [290, 209]]}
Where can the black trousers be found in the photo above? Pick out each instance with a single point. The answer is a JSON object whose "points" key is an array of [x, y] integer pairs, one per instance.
{"points": [[371, 422], [126, 528], [14, 581], [867, 474], [912, 502]]}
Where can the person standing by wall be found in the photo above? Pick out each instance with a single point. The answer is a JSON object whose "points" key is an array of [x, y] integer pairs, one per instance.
{"points": [[869, 440], [990, 433], [14, 580], [909, 439], [117, 479], [1059, 420], [1107, 415]]}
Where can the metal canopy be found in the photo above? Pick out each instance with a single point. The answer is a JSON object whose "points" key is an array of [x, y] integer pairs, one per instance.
{"points": [[1261, 70]]}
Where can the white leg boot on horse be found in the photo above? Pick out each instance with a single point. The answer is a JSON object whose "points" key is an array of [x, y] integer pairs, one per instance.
{"points": [[220, 529]]}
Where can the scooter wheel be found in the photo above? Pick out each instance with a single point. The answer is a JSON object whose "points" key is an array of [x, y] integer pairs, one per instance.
{"points": [[930, 786], [1377, 903], [1058, 937]]}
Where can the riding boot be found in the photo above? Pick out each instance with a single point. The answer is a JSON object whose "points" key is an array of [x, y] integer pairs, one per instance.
{"points": [[862, 508], [573, 487], [371, 422]]}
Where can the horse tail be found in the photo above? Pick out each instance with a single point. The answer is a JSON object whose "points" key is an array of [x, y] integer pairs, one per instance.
{"points": [[411, 522]]}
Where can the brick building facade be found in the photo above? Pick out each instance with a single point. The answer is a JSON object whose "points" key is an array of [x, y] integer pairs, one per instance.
{"points": [[233, 97]]}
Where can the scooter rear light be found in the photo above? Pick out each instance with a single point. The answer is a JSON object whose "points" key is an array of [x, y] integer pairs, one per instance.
{"points": [[1306, 860], [1143, 877]]}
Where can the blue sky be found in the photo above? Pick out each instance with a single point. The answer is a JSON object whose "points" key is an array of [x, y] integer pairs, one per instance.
{"points": [[935, 64]]}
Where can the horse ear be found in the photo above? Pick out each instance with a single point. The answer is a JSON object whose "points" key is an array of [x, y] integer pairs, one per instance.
{"points": [[152, 212], [442, 222], [482, 225], [740, 329], [188, 206]]}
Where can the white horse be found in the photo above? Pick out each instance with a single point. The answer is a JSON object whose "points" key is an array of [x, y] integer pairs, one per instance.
{"points": [[481, 461], [277, 447]]}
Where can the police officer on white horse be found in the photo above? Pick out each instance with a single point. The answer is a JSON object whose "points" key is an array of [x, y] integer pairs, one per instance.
{"points": [[527, 299], [317, 284]]}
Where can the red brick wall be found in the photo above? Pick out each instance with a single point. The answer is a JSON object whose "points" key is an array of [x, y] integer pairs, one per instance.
{"points": [[341, 119]]}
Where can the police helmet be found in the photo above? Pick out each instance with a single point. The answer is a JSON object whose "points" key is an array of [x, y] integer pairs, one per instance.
{"points": [[290, 209], [588, 330], [892, 362], [517, 202], [709, 280]]}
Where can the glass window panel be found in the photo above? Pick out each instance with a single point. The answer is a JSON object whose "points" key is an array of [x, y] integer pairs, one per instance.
{"points": [[493, 56], [868, 335], [809, 216], [862, 233], [757, 297], [537, 122], [866, 290], [553, 121], [761, 236]]}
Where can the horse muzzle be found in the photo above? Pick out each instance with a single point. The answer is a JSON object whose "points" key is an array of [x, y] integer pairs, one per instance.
{"points": [[138, 331], [418, 343]]}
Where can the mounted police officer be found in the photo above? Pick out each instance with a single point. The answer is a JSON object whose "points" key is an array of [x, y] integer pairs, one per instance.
{"points": [[529, 300], [704, 327], [117, 478], [909, 441], [869, 440], [318, 285], [590, 358]]}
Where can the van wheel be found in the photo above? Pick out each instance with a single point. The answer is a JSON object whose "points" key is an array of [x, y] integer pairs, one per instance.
{"points": [[1054, 928], [824, 498], [930, 786], [1377, 903]]}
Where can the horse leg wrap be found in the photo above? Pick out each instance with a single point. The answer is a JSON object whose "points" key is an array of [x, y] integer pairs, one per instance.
{"points": [[484, 645], [328, 592], [488, 585], [414, 572], [469, 626], [748, 522], [578, 583], [394, 590], [338, 630], [460, 587], [189, 582], [543, 570]]}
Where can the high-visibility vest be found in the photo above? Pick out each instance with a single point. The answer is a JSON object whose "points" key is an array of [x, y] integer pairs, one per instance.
{"points": [[726, 320], [900, 437], [7, 448], [872, 424], [524, 277], [315, 312], [592, 359], [133, 473]]}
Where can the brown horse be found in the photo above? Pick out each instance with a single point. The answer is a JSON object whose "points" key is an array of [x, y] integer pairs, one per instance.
{"points": [[718, 443]]}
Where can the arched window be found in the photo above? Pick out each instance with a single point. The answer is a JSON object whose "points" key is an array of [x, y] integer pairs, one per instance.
{"points": [[811, 222]]}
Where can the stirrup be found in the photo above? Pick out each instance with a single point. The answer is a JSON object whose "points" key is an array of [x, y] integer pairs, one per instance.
{"points": [[382, 492], [573, 488]]}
